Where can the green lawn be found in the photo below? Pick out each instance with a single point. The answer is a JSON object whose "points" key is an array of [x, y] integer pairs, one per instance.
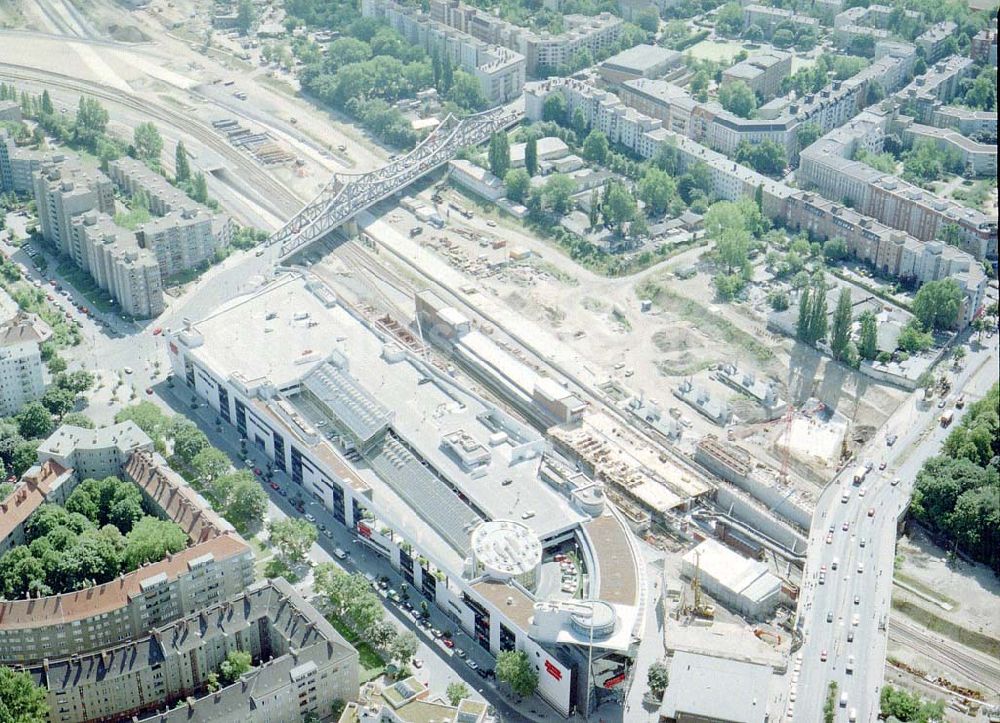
{"points": [[83, 283], [372, 665]]}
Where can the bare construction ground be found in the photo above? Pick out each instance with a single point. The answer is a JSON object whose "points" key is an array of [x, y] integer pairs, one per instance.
{"points": [[685, 336]]}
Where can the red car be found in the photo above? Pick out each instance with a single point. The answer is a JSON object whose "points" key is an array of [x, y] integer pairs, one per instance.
{"points": [[52, 282], [157, 331], [448, 643], [256, 471], [274, 486]]}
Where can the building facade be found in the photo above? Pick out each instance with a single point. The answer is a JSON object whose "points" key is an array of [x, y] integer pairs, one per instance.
{"points": [[64, 190], [21, 376]]}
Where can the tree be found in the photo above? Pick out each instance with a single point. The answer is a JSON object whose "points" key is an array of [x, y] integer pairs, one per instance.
{"points": [[648, 19], [188, 439], [699, 85], [436, 68], [147, 141], [199, 188], [619, 206], [107, 501], [657, 190], [817, 318], [34, 421], [246, 16], [515, 669], [595, 147], [236, 664], [657, 678], [404, 647], [766, 157], [499, 154], [982, 93], [58, 401], [292, 538], [447, 73], [840, 336], [807, 134], [578, 122], [148, 417], [246, 502], [554, 108], [457, 692], [90, 122], [737, 98], [868, 346], [517, 182], [898, 703], [950, 233], [729, 20], [151, 540], [531, 156], [724, 223], [182, 168], [76, 382], [913, 338], [466, 92], [47, 107], [22, 457], [557, 192], [21, 701], [210, 464], [938, 303]]}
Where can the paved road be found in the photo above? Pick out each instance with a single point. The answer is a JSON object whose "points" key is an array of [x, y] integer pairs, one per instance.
{"points": [[856, 596]]}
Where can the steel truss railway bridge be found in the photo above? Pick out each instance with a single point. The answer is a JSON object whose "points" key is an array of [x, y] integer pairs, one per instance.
{"points": [[347, 195]]}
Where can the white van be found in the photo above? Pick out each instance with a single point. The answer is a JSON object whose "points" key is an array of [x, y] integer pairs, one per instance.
{"points": [[843, 699], [853, 716], [850, 664], [339, 554]]}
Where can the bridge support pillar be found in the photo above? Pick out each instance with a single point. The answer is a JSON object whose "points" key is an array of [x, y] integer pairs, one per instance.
{"points": [[351, 229]]}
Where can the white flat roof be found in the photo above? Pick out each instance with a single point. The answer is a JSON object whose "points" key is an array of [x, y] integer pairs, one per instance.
{"points": [[426, 403]]}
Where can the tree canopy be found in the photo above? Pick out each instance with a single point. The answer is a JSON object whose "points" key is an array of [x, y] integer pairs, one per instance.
{"points": [[21, 701], [515, 669], [957, 494], [937, 304]]}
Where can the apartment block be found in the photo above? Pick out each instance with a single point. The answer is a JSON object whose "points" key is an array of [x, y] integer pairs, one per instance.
{"points": [[18, 165], [21, 378], [769, 18], [216, 565], [966, 121], [762, 72], [130, 273], [64, 190], [133, 176], [180, 240], [644, 135], [940, 84], [892, 252], [983, 48], [978, 159], [640, 61], [499, 70], [934, 42], [541, 50], [302, 666], [826, 166], [778, 120], [94, 453]]}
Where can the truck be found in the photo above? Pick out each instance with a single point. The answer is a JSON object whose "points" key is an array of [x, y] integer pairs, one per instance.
{"points": [[860, 472], [947, 418]]}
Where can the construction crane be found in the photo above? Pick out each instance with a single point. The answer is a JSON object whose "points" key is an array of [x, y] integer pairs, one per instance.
{"points": [[700, 610]]}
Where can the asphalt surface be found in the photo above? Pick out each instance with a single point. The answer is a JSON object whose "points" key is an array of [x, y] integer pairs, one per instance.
{"points": [[856, 596]]}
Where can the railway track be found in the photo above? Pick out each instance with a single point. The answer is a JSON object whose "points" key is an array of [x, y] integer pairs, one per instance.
{"points": [[270, 194], [979, 670]]}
